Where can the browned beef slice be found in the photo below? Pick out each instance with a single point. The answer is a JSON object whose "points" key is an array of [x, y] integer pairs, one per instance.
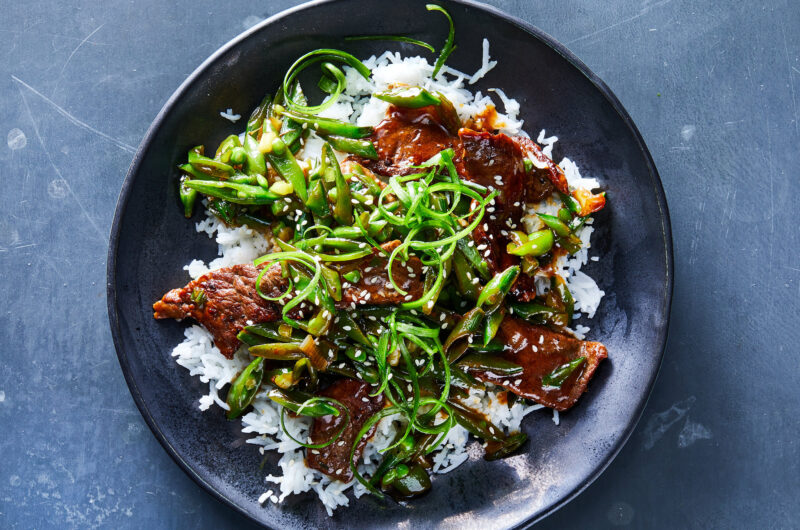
{"points": [[546, 174], [408, 137], [540, 351], [231, 299], [374, 287], [334, 460]]}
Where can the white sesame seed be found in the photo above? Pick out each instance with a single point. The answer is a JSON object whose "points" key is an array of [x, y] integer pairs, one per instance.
{"points": [[541, 339], [347, 328], [442, 317], [486, 254], [486, 227], [518, 382]]}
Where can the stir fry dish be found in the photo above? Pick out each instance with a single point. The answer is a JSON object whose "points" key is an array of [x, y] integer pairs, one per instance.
{"points": [[401, 274]]}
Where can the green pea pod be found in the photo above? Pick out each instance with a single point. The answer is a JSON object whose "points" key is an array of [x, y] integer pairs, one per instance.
{"points": [[225, 147], [271, 330], [474, 257], [368, 182], [464, 276], [352, 330], [233, 192], [244, 388], [317, 201], [332, 173], [284, 163], [540, 314], [278, 351], [354, 276], [256, 165], [328, 126], [469, 324], [475, 422], [411, 483], [564, 215], [557, 377], [208, 166], [411, 97], [258, 115], [292, 131], [238, 156], [571, 243], [559, 285], [570, 202], [511, 443], [188, 197], [294, 399], [555, 224], [538, 243], [333, 282], [367, 374], [190, 171], [363, 148], [251, 339], [497, 288], [492, 324], [490, 363]]}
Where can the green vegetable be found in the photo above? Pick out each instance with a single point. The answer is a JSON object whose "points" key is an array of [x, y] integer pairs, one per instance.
{"points": [[489, 363], [448, 47], [497, 288], [244, 388], [232, 192], [329, 126], [557, 377], [538, 243], [412, 97]]}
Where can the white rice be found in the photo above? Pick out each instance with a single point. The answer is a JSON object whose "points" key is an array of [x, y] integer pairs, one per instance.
{"points": [[198, 354]]}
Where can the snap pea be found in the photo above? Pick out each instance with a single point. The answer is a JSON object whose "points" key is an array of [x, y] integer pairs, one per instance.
{"points": [[474, 257], [557, 377], [555, 224], [464, 276], [283, 162], [271, 330], [257, 117], [363, 148], [353, 276], [278, 351], [225, 148], [188, 197], [328, 125], [294, 400], [489, 363], [497, 288], [492, 324], [244, 388], [469, 324], [208, 166], [412, 97], [332, 174], [540, 314], [233, 192], [538, 243], [256, 165]]}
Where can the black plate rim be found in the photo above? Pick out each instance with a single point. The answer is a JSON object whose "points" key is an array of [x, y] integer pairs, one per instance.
{"points": [[563, 51]]}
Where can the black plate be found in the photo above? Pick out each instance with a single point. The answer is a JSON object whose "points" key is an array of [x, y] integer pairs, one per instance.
{"points": [[151, 242]]}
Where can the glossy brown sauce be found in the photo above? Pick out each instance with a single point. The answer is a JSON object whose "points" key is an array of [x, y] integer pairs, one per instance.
{"points": [[540, 351]]}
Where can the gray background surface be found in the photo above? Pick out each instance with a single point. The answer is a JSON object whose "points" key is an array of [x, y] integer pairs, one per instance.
{"points": [[713, 87]]}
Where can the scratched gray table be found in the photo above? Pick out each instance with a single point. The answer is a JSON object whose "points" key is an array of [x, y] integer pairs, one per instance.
{"points": [[711, 85]]}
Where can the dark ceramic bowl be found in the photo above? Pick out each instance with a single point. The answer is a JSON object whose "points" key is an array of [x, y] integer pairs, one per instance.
{"points": [[151, 242]]}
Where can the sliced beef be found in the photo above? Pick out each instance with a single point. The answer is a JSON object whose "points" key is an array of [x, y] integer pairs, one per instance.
{"points": [[374, 288], [540, 351], [408, 137], [546, 175], [225, 300], [334, 460]]}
